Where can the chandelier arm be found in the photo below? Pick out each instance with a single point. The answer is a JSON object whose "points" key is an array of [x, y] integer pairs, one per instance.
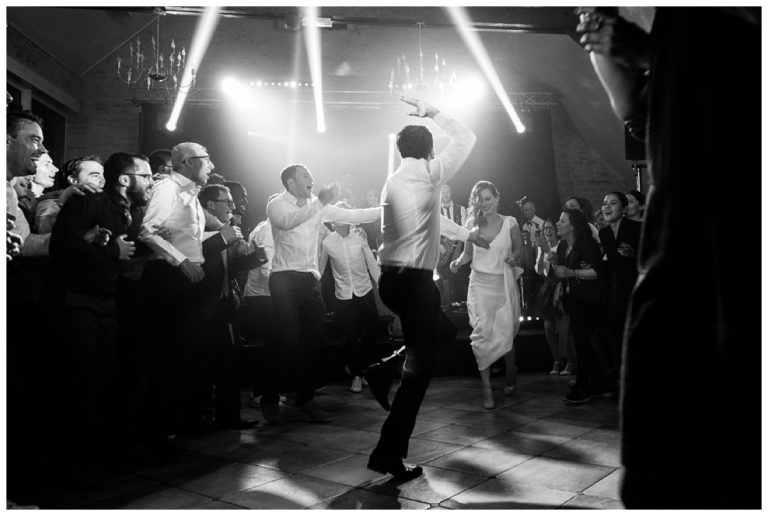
{"points": [[118, 47]]}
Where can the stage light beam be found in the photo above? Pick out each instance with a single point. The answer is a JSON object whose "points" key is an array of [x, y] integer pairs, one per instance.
{"points": [[312, 40], [472, 40], [203, 33]]}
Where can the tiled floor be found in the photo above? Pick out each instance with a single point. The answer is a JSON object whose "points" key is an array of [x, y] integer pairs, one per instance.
{"points": [[532, 451]]}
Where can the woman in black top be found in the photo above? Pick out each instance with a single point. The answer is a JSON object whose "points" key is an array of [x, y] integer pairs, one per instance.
{"points": [[579, 267]]}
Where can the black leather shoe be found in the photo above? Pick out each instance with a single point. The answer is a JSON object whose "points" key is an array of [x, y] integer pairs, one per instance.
{"points": [[238, 424], [379, 381], [399, 471]]}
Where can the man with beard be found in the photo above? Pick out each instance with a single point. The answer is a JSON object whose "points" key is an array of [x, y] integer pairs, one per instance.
{"points": [[87, 245]]}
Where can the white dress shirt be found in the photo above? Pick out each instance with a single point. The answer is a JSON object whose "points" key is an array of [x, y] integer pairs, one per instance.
{"points": [[410, 200], [447, 210], [258, 278], [32, 244], [296, 229], [351, 262], [532, 226], [174, 205]]}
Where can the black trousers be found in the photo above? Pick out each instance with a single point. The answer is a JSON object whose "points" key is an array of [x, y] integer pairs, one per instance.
{"points": [[584, 325], [91, 325], [299, 332], [413, 296], [180, 382], [359, 321]]}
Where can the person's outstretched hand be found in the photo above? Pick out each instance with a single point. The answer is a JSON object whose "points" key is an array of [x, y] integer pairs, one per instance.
{"points": [[615, 38], [423, 109]]}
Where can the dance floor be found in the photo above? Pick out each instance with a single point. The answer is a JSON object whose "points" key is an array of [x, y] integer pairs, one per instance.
{"points": [[532, 451]]}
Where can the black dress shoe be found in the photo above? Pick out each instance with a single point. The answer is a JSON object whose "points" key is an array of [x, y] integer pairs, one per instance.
{"points": [[379, 381], [399, 471], [238, 424]]}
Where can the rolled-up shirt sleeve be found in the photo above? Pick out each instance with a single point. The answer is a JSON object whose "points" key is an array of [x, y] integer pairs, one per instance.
{"points": [[450, 160], [163, 203]]}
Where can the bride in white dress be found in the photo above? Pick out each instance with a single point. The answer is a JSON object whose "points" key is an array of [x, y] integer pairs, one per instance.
{"points": [[493, 300]]}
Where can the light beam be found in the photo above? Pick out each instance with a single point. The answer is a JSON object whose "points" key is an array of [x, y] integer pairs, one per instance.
{"points": [[472, 40], [203, 33], [312, 40]]}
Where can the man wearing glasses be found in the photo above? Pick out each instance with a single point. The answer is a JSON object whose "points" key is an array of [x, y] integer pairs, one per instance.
{"points": [[172, 281], [87, 246], [160, 163]]}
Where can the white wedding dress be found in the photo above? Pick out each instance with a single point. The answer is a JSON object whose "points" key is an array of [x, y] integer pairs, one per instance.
{"points": [[493, 300]]}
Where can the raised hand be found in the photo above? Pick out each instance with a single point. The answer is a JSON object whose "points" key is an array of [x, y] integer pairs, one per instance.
{"points": [[612, 36], [97, 235], [423, 109], [127, 248]]}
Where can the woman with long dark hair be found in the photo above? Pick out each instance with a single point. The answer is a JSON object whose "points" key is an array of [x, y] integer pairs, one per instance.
{"points": [[579, 267], [493, 299]]}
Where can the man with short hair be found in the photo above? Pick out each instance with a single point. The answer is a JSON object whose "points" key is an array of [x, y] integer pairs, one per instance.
{"points": [[353, 266], [172, 278], [221, 302], [87, 244], [453, 286], [411, 228], [161, 164], [297, 216], [84, 173], [531, 230]]}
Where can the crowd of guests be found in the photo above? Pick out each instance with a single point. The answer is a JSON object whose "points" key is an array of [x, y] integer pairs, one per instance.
{"points": [[122, 284]]}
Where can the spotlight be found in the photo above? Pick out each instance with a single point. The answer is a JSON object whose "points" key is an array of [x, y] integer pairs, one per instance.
{"points": [[321, 127], [170, 127], [472, 40], [471, 89], [292, 84], [392, 136], [206, 25], [522, 318], [230, 85], [259, 84], [314, 54], [529, 318]]}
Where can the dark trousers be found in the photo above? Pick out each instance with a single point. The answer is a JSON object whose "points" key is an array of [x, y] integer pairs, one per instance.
{"points": [[359, 321], [225, 373], [413, 296], [584, 324], [258, 316], [180, 382], [91, 326], [299, 328]]}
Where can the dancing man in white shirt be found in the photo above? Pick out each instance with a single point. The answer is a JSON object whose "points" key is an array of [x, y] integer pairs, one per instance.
{"points": [[353, 267], [296, 217], [411, 228]]}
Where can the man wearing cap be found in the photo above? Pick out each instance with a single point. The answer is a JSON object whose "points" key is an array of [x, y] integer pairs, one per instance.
{"points": [[172, 281]]}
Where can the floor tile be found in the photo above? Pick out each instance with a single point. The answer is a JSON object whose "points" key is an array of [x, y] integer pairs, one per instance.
{"points": [[456, 434], [361, 420], [559, 428], [517, 442], [434, 486], [247, 447], [557, 474], [608, 436], [294, 492], [230, 479], [497, 418], [586, 452], [363, 499], [479, 461], [188, 466], [444, 415], [169, 498], [592, 502], [297, 459], [501, 494], [609, 487], [350, 471]]}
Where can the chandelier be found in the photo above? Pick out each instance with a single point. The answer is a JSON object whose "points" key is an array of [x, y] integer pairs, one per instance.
{"points": [[442, 78], [156, 70]]}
